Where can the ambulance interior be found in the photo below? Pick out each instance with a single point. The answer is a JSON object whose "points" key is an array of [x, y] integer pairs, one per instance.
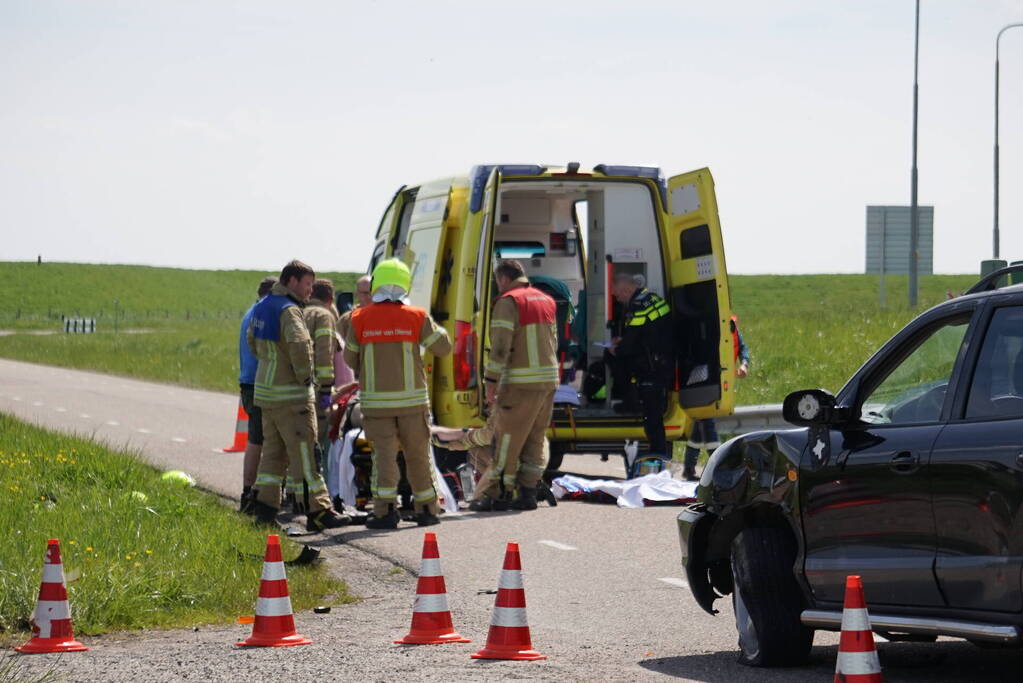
{"points": [[565, 234]]}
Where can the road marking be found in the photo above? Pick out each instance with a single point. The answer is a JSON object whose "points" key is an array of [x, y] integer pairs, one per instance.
{"points": [[61, 409], [218, 450], [37, 403], [113, 423], [85, 416], [677, 583], [178, 439], [143, 430], [559, 546]]}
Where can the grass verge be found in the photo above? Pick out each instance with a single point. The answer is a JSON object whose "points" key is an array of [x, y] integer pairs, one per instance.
{"points": [[138, 552]]}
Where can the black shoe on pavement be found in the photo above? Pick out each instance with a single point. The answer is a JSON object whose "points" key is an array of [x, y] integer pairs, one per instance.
{"points": [[388, 521], [248, 497], [426, 518], [526, 499], [484, 504], [263, 513], [326, 519]]}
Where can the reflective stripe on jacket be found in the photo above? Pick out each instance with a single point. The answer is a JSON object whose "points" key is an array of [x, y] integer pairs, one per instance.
{"points": [[382, 347], [284, 372], [523, 339]]}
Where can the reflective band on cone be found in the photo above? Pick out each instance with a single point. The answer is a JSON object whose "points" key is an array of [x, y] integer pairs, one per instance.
{"points": [[509, 629], [274, 625], [431, 617], [857, 658], [51, 620], [241, 431]]}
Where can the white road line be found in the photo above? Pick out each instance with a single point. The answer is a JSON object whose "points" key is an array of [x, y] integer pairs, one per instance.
{"points": [[85, 416], [178, 439], [61, 409], [113, 423], [677, 583], [217, 450], [559, 546], [143, 430]]}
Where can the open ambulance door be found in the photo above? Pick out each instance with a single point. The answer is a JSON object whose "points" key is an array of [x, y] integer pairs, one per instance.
{"points": [[484, 286], [421, 251], [385, 231], [699, 299]]}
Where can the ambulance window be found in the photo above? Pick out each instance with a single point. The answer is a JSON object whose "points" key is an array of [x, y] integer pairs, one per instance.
{"points": [[401, 234], [696, 242], [519, 249], [378, 253]]}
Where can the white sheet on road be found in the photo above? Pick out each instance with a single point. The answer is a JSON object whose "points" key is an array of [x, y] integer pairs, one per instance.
{"points": [[630, 493]]}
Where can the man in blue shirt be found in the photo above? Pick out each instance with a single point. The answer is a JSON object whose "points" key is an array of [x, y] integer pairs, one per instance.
{"points": [[247, 381]]}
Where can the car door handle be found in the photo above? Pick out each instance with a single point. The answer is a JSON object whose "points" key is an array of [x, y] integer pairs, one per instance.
{"points": [[905, 462]]}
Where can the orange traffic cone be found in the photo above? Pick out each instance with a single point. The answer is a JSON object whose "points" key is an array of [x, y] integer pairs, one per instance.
{"points": [[509, 631], [431, 618], [241, 431], [51, 620], [275, 624], [857, 658]]}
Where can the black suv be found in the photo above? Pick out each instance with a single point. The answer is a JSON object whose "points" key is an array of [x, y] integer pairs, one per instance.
{"points": [[912, 477]]}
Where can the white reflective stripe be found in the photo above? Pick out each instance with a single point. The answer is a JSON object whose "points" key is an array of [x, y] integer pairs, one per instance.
{"points": [[858, 663], [430, 567], [408, 366], [53, 573], [531, 350], [51, 610], [855, 619], [368, 378], [508, 616], [273, 607], [510, 578], [432, 602], [508, 325], [273, 571]]}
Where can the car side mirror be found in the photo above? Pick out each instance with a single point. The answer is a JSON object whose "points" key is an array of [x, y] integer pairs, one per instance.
{"points": [[809, 407]]}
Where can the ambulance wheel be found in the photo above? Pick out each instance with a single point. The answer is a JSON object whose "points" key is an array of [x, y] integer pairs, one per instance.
{"points": [[767, 600], [555, 457]]}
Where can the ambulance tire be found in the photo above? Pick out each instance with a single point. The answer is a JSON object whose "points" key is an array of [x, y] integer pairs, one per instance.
{"points": [[767, 600], [556, 455]]}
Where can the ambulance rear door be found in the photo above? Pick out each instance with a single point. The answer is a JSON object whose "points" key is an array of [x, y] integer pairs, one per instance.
{"points": [[485, 275], [385, 231], [699, 298], [425, 239]]}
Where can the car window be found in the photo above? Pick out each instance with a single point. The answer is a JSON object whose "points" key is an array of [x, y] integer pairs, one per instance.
{"points": [[997, 386], [913, 392]]}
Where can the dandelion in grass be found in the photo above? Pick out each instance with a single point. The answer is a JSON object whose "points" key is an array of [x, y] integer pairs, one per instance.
{"points": [[149, 552], [88, 548]]}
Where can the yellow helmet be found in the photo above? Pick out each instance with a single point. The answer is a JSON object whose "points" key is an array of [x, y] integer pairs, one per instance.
{"points": [[391, 272]]}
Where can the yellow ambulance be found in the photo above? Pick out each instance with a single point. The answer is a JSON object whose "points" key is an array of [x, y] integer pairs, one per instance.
{"points": [[572, 230]]}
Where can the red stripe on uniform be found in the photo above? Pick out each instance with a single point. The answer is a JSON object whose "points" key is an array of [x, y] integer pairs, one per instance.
{"points": [[511, 597], [273, 589], [54, 592], [856, 641], [278, 626], [430, 585]]}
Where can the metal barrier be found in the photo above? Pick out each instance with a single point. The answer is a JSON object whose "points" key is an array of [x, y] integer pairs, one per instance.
{"points": [[747, 419], [79, 325]]}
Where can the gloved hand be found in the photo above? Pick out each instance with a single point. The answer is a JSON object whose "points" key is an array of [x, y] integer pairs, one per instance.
{"points": [[323, 400]]}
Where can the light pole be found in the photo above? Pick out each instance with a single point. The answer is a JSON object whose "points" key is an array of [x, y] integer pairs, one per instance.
{"points": [[998, 42], [914, 225]]}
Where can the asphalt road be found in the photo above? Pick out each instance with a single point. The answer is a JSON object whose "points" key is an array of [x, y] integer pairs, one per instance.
{"points": [[605, 591]]}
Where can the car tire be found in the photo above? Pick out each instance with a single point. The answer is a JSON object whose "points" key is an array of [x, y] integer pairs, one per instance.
{"points": [[767, 600]]}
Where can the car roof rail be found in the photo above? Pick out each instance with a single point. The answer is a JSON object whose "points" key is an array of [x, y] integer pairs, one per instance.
{"points": [[989, 282]]}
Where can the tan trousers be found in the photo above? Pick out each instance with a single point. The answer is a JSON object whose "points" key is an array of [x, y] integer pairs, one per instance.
{"points": [[521, 418], [409, 434], [288, 436]]}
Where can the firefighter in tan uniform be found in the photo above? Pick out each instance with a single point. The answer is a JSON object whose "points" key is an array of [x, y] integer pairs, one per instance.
{"points": [[521, 377], [285, 390], [383, 348], [321, 321]]}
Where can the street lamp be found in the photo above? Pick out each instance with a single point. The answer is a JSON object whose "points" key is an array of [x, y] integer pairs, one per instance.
{"points": [[998, 42], [914, 225]]}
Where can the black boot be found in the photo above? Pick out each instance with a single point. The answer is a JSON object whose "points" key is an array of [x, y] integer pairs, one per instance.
{"points": [[388, 521], [484, 504], [689, 469], [246, 501], [426, 518], [526, 499], [327, 518], [263, 513]]}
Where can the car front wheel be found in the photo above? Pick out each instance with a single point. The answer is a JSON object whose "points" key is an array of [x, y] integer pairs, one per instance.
{"points": [[767, 600]]}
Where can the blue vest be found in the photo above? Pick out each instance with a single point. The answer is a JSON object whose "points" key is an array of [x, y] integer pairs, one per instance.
{"points": [[266, 317]]}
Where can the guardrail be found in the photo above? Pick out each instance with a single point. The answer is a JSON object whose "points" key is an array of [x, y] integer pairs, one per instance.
{"points": [[747, 419]]}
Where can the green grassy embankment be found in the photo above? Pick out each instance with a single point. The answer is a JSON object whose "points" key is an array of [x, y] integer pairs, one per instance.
{"points": [[803, 330], [165, 324], [138, 552]]}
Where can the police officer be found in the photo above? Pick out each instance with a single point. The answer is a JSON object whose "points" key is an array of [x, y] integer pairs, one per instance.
{"points": [[521, 377], [285, 390], [383, 348], [643, 354]]}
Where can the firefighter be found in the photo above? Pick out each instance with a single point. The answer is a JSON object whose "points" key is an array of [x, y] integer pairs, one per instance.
{"points": [[285, 390], [321, 321], [643, 352], [521, 377], [383, 348]]}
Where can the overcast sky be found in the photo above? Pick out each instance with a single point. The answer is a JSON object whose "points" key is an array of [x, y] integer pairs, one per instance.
{"points": [[217, 134]]}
